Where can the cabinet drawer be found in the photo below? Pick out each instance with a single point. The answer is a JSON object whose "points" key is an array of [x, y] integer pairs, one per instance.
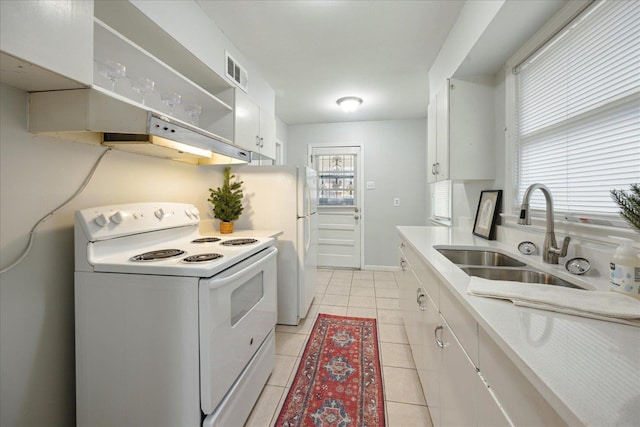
{"points": [[425, 275], [463, 325], [524, 405]]}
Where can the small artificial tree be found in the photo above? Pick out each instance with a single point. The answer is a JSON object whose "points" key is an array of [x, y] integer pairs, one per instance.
{"points": [[629, 204], [227, 200]]}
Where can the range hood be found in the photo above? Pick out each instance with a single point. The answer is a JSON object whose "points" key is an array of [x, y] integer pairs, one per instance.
{"points": [[96, 116]]}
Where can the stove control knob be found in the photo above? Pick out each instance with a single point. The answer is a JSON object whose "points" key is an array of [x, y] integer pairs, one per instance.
{"points": [[102, 220], [120, 216], [187, 212], [161, 214]]}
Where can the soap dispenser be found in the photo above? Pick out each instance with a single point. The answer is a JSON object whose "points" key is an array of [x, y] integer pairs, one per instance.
{"points": [[624, 267]]}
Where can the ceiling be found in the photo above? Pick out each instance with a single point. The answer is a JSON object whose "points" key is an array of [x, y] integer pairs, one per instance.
{"points": [[314, 52]]}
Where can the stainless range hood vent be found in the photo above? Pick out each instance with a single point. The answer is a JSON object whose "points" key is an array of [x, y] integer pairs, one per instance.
{"points": [[83, 114], [173, 137]]}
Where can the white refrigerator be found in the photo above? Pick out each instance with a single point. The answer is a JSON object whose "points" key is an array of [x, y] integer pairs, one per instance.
{"points": [[285, 198]]}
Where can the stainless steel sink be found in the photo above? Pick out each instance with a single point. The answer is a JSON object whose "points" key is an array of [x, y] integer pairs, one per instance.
{"points": [[518, 275], [479, 257]]}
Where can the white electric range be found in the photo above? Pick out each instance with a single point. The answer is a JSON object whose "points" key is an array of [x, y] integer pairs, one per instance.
{"points": [[172, 328]]}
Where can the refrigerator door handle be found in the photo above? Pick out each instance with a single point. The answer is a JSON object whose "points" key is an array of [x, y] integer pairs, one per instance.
{"points": [[307, 243]]}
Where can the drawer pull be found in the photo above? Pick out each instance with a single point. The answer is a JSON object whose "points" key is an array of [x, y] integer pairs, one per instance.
{"points": [[438, 339], [421, 294]]}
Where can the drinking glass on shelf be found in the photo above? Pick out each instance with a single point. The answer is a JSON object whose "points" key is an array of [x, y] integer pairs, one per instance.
{"points": [[111, 70], [171, 99], [193, 111], [143, 86]]}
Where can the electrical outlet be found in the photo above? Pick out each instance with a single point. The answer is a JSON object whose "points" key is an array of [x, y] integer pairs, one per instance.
{"points": [[371, 185], [396, 201]]}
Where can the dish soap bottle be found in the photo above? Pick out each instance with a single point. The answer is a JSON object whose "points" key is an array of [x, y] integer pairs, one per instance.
{"points": [[624, 274]]}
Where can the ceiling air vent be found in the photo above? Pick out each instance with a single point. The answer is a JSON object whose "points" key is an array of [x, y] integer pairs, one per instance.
{"points": [[236, 72]]}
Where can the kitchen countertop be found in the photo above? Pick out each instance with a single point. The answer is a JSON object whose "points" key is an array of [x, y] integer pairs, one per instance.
{"points": [[208, 228], [587, 369]]}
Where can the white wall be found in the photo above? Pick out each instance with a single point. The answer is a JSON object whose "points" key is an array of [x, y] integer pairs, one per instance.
{"points": [[394, 154], [282, 136], [37, 382], [473, 20]]}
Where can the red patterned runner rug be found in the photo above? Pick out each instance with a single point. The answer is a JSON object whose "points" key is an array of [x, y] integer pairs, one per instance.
{"points": [[339, 381]]}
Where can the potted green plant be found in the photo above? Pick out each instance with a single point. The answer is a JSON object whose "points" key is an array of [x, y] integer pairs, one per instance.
{"points": [[629, 204], [227, 202]]}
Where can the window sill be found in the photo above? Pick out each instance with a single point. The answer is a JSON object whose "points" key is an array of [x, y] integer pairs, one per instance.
{"points": [[595, 233], [441, 222]]}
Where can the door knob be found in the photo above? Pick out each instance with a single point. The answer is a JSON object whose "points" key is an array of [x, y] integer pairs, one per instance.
{"points": [[356, 216], [356, 209]]}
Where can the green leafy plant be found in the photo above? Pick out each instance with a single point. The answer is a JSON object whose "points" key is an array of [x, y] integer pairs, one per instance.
{"points": [[227, 200], [629, 204]]}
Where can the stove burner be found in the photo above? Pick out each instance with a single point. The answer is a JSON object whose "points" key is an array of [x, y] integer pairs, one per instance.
{"points": [[238, 242], [201, 258], [206, 240], [158, 255]]}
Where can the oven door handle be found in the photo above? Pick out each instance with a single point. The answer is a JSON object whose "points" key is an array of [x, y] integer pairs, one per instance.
{"points": [[223, 281]]}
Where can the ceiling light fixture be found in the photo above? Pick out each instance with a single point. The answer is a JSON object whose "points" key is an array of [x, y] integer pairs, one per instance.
{"points": [[349, 103]]}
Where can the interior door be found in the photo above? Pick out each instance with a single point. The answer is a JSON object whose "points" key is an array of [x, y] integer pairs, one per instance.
{"points": [[339, 206]]}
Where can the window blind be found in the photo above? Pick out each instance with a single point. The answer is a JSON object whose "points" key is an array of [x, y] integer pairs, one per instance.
{"points": [[441, 200], [578, 112]]}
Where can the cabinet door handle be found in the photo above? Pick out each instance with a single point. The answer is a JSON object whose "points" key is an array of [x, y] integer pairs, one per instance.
{"points": [[261, 142], [257, 140], [420, 296], [438, 338], [433, 169], [403, 264], [437, 168]]}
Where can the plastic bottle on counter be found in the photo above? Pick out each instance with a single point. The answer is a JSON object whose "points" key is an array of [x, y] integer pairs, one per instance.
{"points": [[624, 267]]}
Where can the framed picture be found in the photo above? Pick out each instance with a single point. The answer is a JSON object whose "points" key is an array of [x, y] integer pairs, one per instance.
{"points": [[487, 213]]}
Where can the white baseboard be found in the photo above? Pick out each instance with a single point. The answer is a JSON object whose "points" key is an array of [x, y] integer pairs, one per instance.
{"points": [[365, 268], [381, 268]]}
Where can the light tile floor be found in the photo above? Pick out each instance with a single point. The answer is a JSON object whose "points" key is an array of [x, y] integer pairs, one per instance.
{"points": [[360, 294]]}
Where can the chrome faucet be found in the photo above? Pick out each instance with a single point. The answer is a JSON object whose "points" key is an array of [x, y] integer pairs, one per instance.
{"points": [[550, 251]]}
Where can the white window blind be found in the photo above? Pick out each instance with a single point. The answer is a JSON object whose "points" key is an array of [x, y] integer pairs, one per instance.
{"points": [[578, 112], [441, 200]]}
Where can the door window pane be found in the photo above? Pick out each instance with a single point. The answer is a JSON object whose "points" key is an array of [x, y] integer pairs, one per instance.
{"points": [[336, 179]]}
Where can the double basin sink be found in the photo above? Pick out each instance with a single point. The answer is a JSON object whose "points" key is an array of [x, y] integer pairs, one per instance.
{"points": [[498, 266]]}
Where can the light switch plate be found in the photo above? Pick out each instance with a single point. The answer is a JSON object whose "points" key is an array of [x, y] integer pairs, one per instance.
{"points": [[371, 185], [396, 201]]}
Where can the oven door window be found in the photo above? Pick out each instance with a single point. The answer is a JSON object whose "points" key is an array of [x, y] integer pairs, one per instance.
{"points": [[245, 297]]}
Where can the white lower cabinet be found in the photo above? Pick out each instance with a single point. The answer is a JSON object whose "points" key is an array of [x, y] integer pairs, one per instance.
{"points": [[523, 404], [432, 359], [457, 382], [466, 378], [489, 412]]}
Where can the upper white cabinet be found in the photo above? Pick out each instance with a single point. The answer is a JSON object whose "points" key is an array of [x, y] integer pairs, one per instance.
{"points": [[130, 86], [460, 132], [46, 45], [254, 127], [153, 84]]}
